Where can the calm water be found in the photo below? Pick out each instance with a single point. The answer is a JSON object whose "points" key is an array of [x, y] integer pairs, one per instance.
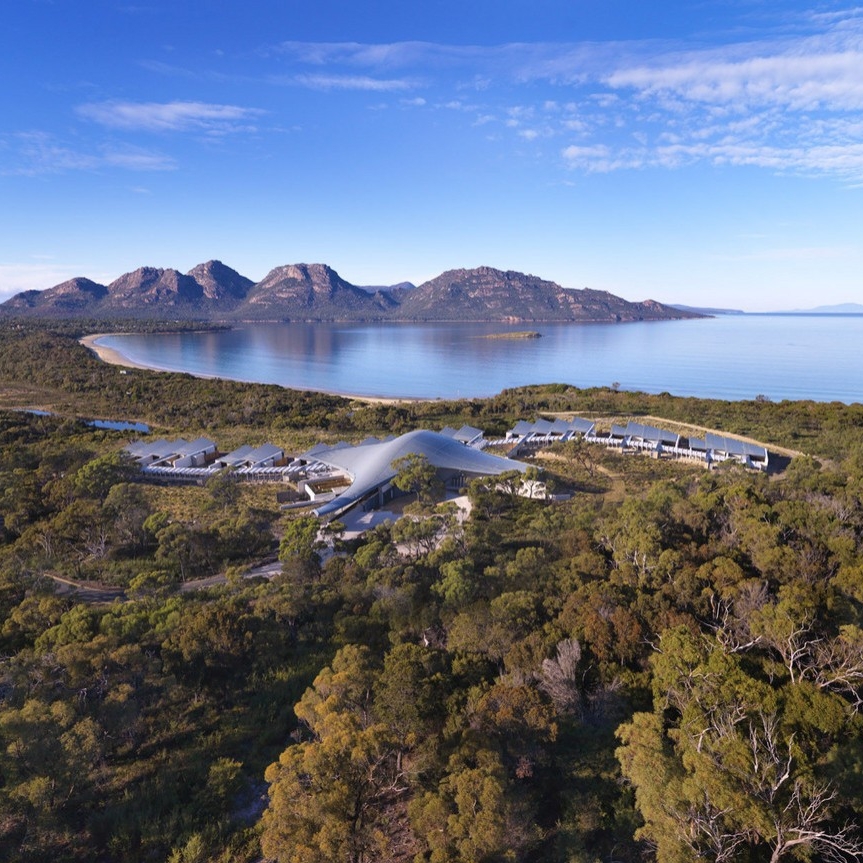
{"points": [[111, 425], [735, 357]]}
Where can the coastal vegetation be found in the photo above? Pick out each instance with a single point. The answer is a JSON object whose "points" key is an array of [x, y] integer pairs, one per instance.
{"points": [[667, 665], [520, 334]]}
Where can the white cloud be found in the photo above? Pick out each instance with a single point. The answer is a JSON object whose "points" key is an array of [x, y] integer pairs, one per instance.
{"points": [[844, 161], [787, 98], [792, 80], [353, 82], [585, 157], [36, 153], [40, 154], [136, 159], [781, 104], [169, 116], [391, 55]]}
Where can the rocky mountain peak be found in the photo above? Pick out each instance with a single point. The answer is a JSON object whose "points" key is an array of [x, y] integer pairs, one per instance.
{"points": [[300, 272], [153, 285], [219, 281], [316, 292]]}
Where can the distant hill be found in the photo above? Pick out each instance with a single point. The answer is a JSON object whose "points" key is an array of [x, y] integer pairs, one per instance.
{"points": [[401, 286], [316, 292], [484, 293], [839, 309], [706, 311], [68, 298]]}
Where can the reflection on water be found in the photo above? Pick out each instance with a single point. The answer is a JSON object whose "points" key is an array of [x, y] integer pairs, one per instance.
{"points": [[117, 425], [111, 425], [734, 357]]}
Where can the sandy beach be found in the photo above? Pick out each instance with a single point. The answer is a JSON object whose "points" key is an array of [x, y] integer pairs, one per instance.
{"points": [[109, 355], [115, 358]]}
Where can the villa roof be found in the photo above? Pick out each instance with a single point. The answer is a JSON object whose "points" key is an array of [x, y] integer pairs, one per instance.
{"points": [[194, 447], [468, 434], [543, 427], [247, 454], [651, 433], [370, 465], [582, 425], [733, 446], [522, 427], [164, 449]]}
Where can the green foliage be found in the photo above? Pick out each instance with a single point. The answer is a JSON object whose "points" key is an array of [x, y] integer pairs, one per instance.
{"points": [[96, 478], [731, 760], [326, 794], [416, 475], [433, 691]]}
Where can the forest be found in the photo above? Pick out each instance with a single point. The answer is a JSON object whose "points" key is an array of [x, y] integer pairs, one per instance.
{"points": [[665, 666]]}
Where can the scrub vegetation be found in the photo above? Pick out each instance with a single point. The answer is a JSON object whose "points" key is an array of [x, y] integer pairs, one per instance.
{"points": [[666, 666]]}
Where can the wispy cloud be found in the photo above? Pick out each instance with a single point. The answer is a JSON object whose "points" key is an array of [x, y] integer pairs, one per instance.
{"points": [[170, 116], [393, 55], [35, 153], [353, 82], [831, 81], [785, 100], [601, 159], [137, 159], [840, 160]]}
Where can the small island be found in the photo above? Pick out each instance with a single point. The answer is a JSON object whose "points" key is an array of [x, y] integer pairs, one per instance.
{"points": [[522, 334]]}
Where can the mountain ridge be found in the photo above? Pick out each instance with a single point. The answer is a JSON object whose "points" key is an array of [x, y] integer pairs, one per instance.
{"points": [[213, 292], [836, 309]]}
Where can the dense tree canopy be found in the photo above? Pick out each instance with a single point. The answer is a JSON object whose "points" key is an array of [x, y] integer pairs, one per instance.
{"points": [[667, 665]]}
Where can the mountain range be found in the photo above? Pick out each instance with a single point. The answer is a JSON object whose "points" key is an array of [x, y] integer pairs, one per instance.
{"points": [[316, 292], [838, 309]]}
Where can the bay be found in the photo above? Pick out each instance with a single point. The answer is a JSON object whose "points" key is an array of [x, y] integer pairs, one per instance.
{"points": [[734, 357]]}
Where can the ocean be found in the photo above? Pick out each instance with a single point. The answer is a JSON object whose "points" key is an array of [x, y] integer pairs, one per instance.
{"points": [[733, 357]]}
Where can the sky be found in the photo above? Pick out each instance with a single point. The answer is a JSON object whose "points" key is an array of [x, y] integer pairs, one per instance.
{"points": [[706, 152]]}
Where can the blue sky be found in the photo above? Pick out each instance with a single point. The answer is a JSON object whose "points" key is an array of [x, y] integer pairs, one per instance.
{"points": [[698, 152]]}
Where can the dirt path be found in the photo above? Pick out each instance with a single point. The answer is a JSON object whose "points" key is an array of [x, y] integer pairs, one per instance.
{"points": [[93, 592], [88, 591], [617, 492]]}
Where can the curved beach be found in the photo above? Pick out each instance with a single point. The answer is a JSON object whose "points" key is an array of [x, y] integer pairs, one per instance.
{"points": [[109, 355]]}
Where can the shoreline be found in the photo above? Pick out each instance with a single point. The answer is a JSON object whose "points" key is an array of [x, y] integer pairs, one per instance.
{"points": [[113, 357], [110, 355]]}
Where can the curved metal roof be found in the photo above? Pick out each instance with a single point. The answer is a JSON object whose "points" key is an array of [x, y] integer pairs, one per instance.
{"points": [[370, 465]]}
